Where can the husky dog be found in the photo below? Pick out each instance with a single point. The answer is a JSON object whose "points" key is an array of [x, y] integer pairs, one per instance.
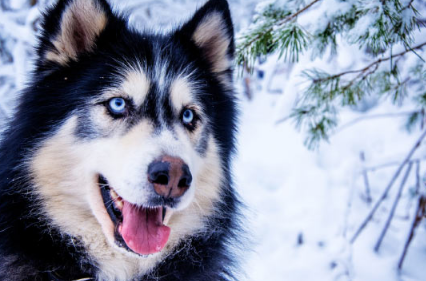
{"points": [[116, 165]]}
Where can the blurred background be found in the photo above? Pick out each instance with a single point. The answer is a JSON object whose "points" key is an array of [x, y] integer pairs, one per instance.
{"points": [[305, 208]]}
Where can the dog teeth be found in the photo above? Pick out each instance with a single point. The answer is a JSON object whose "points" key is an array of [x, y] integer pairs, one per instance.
{"points": [[167, 216], [119, 204], [114, 194], [117, 199]]}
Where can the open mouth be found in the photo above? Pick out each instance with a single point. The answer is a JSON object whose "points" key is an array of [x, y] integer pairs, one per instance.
{"points": [[137, 229]]}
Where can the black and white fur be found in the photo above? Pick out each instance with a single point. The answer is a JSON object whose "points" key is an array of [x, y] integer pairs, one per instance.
{"points": [[52, 225]]}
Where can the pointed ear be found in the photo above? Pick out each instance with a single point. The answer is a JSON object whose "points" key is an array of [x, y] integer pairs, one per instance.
{"points": [[71, 28], [212, 31]]}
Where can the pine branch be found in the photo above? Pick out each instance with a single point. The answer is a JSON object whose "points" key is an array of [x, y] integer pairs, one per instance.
{"points": [[276, 29], [409, 5], [365, 69], [389, 186], [278, 24], [362, 76], [321, 99]]}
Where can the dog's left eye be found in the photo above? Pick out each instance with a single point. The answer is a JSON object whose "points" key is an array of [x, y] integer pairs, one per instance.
{"points": [[117, 106], [187, 116]]}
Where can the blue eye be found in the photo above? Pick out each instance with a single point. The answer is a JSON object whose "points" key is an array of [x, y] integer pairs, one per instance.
{"points": [[117, 106], [187, 116]]}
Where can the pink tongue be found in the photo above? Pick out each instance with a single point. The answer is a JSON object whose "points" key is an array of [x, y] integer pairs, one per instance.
{"points": [[143, 230]]}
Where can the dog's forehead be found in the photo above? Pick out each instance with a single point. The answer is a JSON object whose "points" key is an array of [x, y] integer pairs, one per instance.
{"points": [[136, 85], [160, 78]]}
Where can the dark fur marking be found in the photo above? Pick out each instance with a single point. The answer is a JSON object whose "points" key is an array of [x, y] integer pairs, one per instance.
{"points": [[150, 109], [203, 144], [85, 129], [29, 245]]}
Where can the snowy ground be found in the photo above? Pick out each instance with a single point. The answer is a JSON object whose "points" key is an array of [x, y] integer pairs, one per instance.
{"points": [[302, 206]]}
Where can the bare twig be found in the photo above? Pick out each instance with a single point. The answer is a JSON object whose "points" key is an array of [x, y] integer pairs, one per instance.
{"points": [[375, 116], [390, 164], [360, 119], [417, 177], [366, 182], [409, 205], [418, 217], [247, 87], [247, 83], [389, 186], [282, 120], [392, 212]]}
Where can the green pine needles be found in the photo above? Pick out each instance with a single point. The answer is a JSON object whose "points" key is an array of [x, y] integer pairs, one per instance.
{"points": [[376, 27], [274, 29]]}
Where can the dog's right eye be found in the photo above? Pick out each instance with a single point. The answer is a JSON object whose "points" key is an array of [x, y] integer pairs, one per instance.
{"points": [[117, 107]]}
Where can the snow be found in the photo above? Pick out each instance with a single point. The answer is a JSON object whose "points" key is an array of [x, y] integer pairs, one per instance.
{"points": [[301, 206], [263, 6], [293, 192]]}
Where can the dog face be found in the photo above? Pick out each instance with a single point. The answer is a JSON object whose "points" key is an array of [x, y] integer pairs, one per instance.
{"points": [[136, 129]]}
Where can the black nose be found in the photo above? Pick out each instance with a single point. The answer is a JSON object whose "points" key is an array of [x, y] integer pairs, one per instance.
{"points": [[170, 177]]}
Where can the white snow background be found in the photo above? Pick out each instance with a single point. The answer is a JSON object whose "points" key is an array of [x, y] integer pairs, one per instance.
{"points": [[301, 206]]}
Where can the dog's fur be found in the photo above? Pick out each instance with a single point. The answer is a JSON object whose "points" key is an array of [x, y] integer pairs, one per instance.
{"points": [[53, 222]]}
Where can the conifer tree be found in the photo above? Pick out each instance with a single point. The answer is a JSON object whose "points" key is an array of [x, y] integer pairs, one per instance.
{"points": [[377, 27], [391, 36]]}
